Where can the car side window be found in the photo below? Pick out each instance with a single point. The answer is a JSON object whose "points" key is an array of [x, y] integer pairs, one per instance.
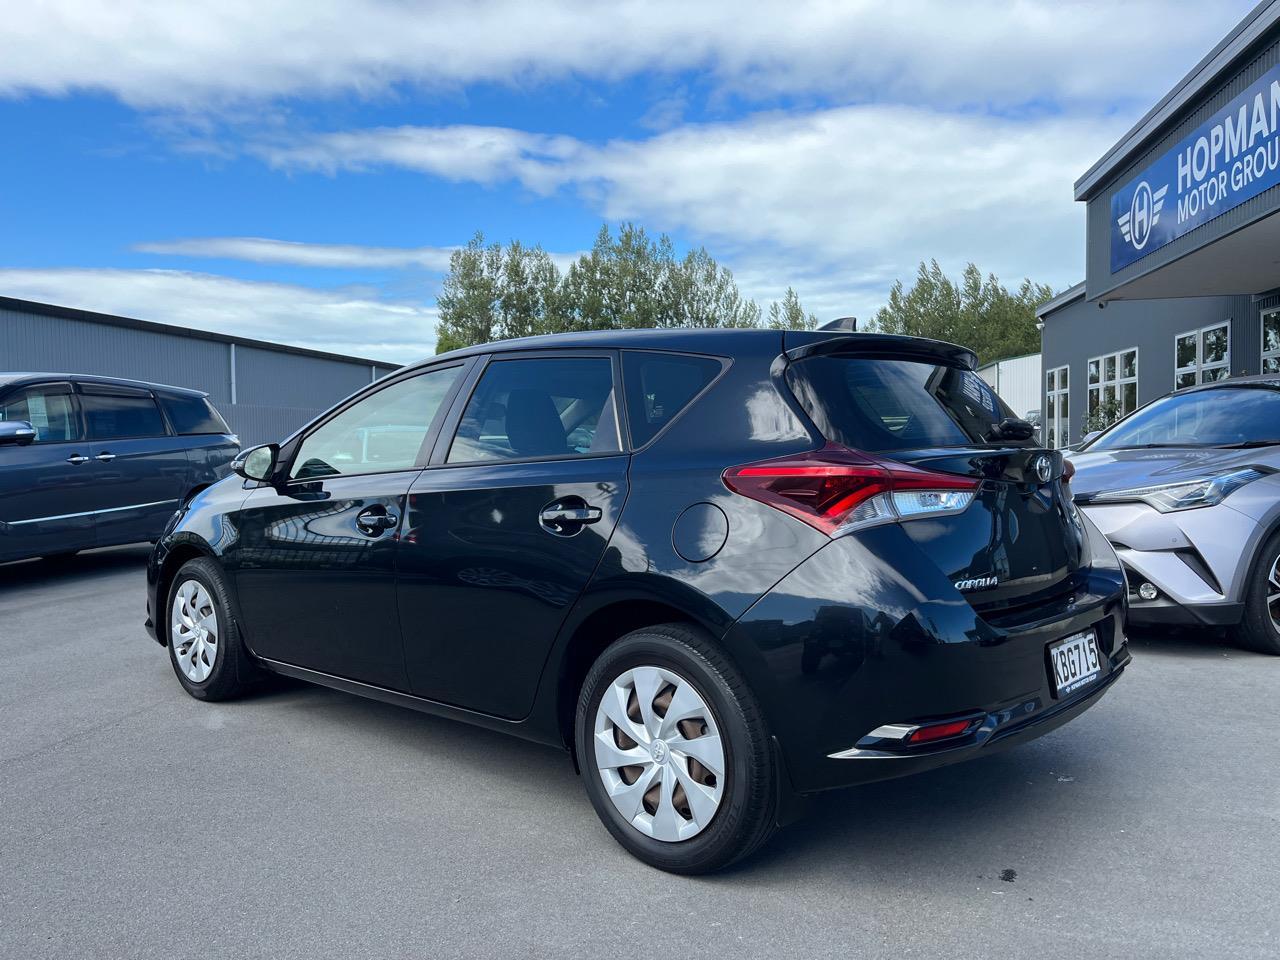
{"points": [[193, 415], [539, 408], [381, 433], [51, 410], [120, 413], [659, 386]]}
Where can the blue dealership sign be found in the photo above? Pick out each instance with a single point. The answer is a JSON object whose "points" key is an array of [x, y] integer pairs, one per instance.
{"points": [[1230, 158]]}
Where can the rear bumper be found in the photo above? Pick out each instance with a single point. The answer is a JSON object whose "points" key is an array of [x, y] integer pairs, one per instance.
{"points": [[867, 632]]}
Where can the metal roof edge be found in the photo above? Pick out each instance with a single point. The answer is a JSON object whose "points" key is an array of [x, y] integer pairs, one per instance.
{"points": [[1069, 295]]}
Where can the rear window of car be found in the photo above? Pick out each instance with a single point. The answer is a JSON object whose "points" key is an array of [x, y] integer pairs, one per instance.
{"points": [[117, 413], [659, 386], [884, 404], [193, 415]]}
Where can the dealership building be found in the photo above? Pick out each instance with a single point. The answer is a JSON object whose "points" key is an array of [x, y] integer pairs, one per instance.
{"points": [[264, 390], [1182, 258]]}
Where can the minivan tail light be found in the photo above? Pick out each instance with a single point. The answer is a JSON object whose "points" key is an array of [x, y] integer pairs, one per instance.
{"points": [[836, 490]]}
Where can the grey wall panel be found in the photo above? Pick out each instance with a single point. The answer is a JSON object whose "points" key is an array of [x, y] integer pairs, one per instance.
{"points": [[30, 342], [1080, 331], [276, 391]]}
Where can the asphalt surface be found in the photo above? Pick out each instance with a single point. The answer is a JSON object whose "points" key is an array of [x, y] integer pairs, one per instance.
{"points": [[137, 822]]}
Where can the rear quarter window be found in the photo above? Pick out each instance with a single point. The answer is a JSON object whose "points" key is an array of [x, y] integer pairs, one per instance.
{"points": [[659, 386], [884, 404], [193, 415]]}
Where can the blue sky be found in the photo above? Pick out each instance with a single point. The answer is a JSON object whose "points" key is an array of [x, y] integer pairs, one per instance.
{"points": [[298, 171]]}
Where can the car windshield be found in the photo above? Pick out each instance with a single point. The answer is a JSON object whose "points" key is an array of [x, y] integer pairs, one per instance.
{"points": [[1223, 417]]}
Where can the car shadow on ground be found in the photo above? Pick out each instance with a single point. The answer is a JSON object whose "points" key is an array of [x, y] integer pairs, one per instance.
{"points": [[22, 574]]}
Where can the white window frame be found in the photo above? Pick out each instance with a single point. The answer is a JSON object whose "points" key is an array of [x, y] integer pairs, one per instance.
{"points": [[1058, 425], [1117, 383], [1199, 367], [1262, 334]]}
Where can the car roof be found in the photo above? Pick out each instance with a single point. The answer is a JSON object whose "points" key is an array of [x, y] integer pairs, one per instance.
{"points": [[24, 379], [1262, 381], [724, 341]]}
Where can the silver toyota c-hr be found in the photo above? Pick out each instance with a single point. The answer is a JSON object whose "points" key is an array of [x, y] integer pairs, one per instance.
{"points": [[1187, 489]]}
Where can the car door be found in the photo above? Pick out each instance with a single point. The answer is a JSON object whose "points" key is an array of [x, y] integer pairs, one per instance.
{"points": [[314, 563], [507, 525], [138, 469], [44, 486]]}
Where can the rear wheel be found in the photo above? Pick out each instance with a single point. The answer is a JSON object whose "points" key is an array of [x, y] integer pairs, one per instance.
{"points": [[1260, 628], [674, 751], [205, 649]]}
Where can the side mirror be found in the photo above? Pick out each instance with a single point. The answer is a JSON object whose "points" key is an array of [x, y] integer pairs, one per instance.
{"points": [[257, 463], [17, 433], [1090, 437]]}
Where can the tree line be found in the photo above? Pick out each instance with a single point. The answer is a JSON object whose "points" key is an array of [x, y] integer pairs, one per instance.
{"points": [[627, 280]]}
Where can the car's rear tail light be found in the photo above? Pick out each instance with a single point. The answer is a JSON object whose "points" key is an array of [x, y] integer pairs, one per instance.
{"points": [[835, 489], [940, 731]]}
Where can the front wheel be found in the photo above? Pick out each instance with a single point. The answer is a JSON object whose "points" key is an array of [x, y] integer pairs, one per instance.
{"points": [[208, 657], [674, 751], [1260, 628]]}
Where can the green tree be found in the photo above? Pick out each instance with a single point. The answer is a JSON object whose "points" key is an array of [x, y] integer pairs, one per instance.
{"points": [[627, 280], [979, 313]]}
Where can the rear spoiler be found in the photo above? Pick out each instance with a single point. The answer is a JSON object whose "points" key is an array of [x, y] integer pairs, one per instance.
{"points": [[798, 345]]}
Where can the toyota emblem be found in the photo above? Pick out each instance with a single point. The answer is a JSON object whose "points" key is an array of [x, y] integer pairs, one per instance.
{"points": [[1044, 468]]}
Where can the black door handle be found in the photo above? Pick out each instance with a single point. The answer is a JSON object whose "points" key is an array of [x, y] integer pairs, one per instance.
{"points": [[567, 517], [373, 520]]}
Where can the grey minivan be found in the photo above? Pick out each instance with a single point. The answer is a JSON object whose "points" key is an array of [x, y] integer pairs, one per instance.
{"points": [[90, 461]]}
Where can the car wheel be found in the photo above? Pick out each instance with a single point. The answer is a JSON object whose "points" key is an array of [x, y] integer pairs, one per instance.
{"points": [[205, 649], [675, 752], [1260, 628]]}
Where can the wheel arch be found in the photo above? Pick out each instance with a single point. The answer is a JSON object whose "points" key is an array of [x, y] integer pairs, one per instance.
{"points": [[175, 557], [603, 626]]}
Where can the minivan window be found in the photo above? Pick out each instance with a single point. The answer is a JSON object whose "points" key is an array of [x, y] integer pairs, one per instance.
{"points": [[51, 410], [531, 409], [380, 433], [659, 386], [884, 405], [118, 413], [193, 415]]}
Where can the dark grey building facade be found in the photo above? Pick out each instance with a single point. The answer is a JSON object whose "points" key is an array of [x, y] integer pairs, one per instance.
{"points": [[1182, 257], [264, 390]]}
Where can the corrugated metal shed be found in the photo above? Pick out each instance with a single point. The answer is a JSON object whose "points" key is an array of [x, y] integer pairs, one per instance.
{"points": [[265, 390], [1017, 381]]}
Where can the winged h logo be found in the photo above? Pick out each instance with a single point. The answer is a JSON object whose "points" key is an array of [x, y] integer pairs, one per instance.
{"points": [[1143, 215]]}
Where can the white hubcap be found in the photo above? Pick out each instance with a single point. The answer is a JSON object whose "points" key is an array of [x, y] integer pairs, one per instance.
{"points": [[659, 753], [193, 630]]}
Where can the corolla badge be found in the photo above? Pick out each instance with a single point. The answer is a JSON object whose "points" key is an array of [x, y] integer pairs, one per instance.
{"points": [[978, 583], [1044, 468], [1144, 213]]}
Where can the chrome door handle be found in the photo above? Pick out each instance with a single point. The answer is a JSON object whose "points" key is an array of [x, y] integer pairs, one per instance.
{"points": [[571, 514], [374, 520], [76, 459], [105, 457]]}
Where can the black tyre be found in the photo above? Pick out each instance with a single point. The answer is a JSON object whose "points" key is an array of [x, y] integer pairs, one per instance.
{"points": [[675, 752], [1260, 628], [205, 649]]}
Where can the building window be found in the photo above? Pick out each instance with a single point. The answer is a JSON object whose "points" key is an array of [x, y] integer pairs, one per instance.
{"points": [[1057, 408], [1113, 387], [1202, 356], [1271, 342]]}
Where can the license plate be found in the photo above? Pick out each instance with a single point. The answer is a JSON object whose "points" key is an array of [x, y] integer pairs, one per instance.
{"points": [[1075, 662]]}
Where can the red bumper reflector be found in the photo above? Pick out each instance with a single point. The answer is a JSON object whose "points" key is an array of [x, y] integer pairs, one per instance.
{"points": [[939, 731]]}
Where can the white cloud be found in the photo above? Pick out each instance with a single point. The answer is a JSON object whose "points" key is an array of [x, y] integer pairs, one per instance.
{"points": [[295, 253], [862, 193], [977, 53], [339, 321]]}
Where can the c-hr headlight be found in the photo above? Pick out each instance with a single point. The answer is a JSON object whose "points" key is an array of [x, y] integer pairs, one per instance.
{"points": [[1185, 494]]}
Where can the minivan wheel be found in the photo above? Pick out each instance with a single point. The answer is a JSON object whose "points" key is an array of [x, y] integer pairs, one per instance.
{"points": [[1260, 628], [674, 751], [204, 643]]}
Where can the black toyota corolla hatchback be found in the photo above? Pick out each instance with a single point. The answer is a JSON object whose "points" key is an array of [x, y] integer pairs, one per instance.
{"points": [[725, 569]]}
